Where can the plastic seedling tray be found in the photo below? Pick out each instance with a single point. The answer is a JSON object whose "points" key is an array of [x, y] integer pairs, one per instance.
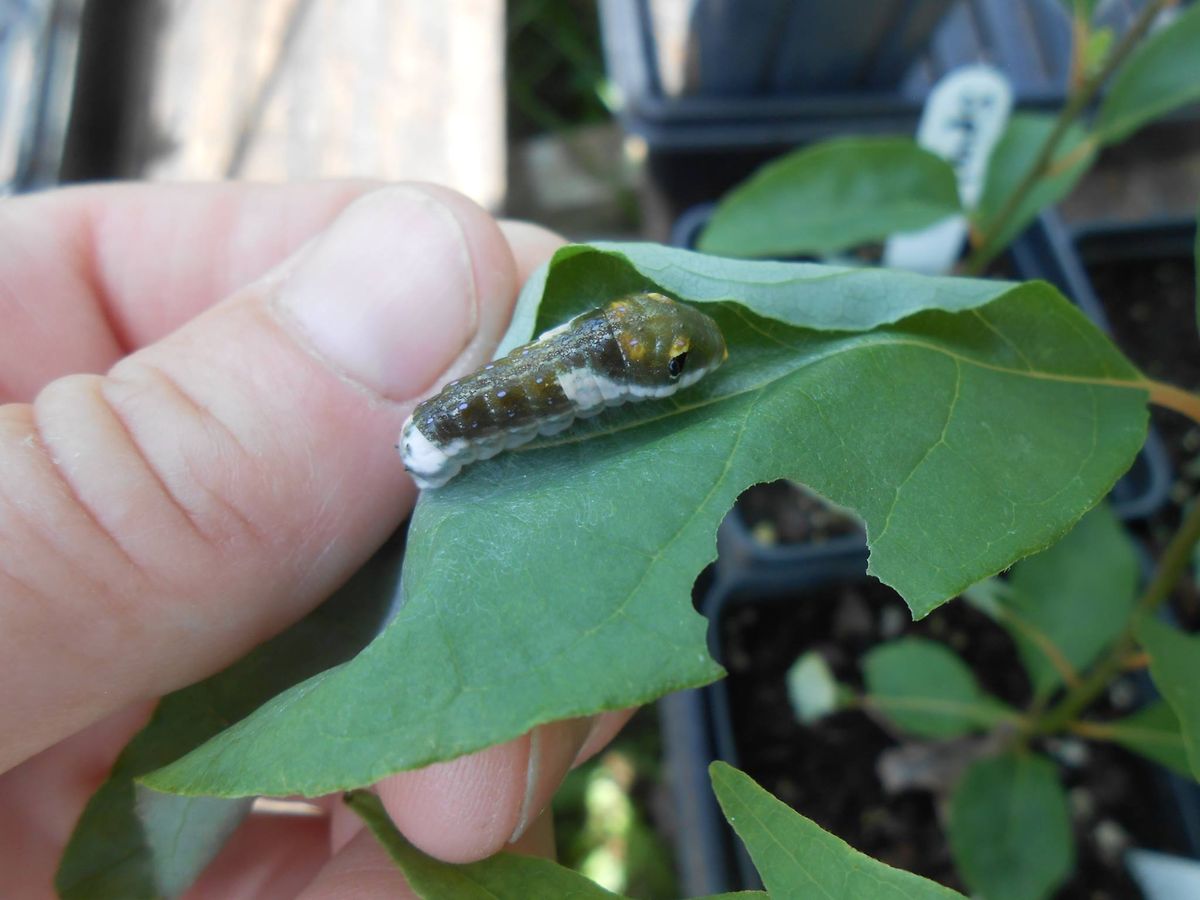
{"points": [[741, 106]]}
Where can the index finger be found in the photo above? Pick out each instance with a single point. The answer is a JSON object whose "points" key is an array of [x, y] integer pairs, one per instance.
{"points": [[89, 274]]}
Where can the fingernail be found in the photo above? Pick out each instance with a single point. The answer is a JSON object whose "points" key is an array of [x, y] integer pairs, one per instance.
{"points": [[387, 294], [532, 777]]}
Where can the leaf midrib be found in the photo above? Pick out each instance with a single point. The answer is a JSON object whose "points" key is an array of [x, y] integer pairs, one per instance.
{"points": [[1145, 735], [979, 709], [1139, 383]]}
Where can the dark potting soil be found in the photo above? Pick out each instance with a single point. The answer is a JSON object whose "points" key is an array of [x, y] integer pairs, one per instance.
{"points": [[827, 771], [782, 512], [1151, 305]]}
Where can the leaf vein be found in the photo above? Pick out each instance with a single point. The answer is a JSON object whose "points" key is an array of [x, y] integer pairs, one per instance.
{"points": [[940, 442]]}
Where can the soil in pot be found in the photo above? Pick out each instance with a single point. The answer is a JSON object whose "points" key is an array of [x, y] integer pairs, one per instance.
{"points": [[1151, 305], [783, 512], [827, 771]]}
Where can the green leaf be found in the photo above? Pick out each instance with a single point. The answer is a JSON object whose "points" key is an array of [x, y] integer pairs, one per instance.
{"points": [[833, 195], [505, 875], [797, 858], [1161, 75], [555, 581], [925, 689], [133, 842], [1012, 157], [812, 689], [1154, 733], [1066, 605], [1175, 668], [1010, 830]]}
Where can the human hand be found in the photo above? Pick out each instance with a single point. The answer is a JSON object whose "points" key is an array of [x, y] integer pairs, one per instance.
{"points": [[203, 388]]}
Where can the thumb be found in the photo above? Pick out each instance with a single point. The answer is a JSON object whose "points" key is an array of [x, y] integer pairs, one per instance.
{"points": [[160, 521]]}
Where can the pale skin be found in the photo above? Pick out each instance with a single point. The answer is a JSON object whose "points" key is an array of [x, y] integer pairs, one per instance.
{"points": [[201, 389]]}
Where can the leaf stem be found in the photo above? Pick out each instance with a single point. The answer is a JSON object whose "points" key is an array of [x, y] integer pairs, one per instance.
{"points": [[1081, 33], [1175, 398], [1170, 568], [1135, 661], [1077, 102], [1071, 158], [1050, 650], [1096, 731]]}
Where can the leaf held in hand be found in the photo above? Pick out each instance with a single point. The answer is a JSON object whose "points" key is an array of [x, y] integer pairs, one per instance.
{"points": [[134, 842], [968, 423]]}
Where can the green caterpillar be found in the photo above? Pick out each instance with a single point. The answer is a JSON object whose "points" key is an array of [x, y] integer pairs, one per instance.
{"points": [[637, 347]]}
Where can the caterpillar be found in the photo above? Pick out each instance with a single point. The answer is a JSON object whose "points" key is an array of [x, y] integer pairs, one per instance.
{"points": [[637, 347]]}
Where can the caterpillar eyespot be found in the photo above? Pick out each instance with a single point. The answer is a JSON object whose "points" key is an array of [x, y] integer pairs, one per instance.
{"points": [[638, 347], [675, 366]]}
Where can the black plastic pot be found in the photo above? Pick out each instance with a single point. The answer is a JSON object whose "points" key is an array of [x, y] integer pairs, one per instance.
{"points": [[785, 46], [697, 724], [1164, 238], [776, 80]]}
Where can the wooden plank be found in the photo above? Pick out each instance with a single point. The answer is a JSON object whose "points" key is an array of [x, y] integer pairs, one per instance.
{"points": [[292, 89]]}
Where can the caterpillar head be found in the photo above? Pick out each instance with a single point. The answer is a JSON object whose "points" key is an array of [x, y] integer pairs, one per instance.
{"points": [[667, 345]]}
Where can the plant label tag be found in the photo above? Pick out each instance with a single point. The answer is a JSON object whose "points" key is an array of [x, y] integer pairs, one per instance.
{"points": [[963, 119]]}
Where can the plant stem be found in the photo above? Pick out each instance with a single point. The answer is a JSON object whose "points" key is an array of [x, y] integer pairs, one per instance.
{"points": [[1076, 104], [1135, 661], [1096, 731], [1080, 35], [1171, 566]]}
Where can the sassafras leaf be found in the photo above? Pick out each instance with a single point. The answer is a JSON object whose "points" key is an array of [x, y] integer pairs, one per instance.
{"points": [[969, 423]]}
